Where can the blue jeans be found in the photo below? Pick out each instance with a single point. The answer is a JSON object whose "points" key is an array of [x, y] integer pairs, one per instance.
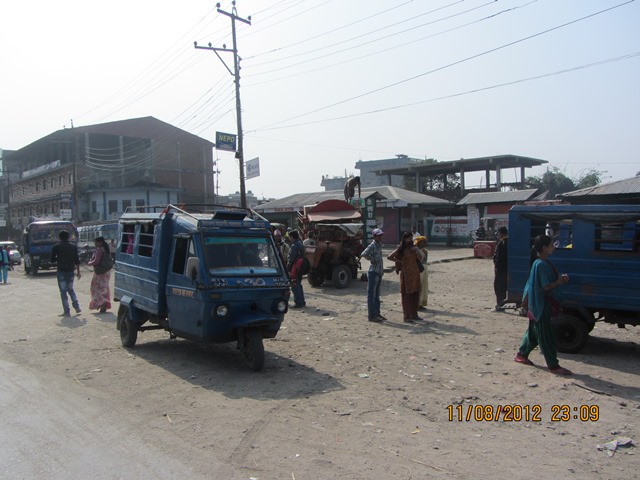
{"points": [[373, 294], [4, 273], [65, 284], [298, 294]]}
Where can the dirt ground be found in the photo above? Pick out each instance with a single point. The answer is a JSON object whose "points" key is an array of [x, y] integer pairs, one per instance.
{"points": [[340, 397]]}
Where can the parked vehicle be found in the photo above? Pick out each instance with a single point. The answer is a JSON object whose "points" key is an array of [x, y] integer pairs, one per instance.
{"points": [[214, 277], [599, 247], [333, 244], [38, 239], [14, 254]]}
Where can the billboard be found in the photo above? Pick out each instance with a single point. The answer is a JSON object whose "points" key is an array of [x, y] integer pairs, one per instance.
{"points": [[252, 168], [225, 141]]}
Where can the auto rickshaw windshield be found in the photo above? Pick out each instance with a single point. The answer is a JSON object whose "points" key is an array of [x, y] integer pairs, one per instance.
{"points": [[241, 256]]}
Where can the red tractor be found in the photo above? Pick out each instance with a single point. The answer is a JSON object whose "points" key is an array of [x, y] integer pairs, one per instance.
{"points": [[333, 232]]}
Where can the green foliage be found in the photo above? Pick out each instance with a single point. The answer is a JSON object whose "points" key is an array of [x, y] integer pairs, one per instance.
{"points": [[437, 184], [556, 182]]}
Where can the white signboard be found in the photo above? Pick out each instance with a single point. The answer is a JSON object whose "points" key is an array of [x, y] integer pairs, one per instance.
{"points": [[252, 168], [65, 213]]}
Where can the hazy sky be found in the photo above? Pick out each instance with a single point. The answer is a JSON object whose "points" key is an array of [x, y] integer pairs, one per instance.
{"points": [[327, 83]]}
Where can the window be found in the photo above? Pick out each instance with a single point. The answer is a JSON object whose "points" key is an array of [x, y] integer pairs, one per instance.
{"points": [[127, 242], [183, 250], [70, 179], [44, 184], [618, 236], [51, 183], [113, 206], [139, 203], [125, 204], [94, 206], [37, 186], [145, 247], [240, 256], [61, 181]]}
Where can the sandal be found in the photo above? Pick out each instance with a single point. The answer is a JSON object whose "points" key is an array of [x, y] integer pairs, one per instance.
{"points": [[522, 359]]}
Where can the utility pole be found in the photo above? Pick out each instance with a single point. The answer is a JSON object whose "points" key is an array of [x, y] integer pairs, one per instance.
{"points": [[236, 75]]}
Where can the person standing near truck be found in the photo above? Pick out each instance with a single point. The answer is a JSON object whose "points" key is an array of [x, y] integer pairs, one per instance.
{"points": [[102, 265], [5, 263], [294, 263], [373, 253], [500, 269], [542, 300], [65, 255]]}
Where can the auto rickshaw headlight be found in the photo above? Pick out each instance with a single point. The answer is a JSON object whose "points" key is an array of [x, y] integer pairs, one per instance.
{"points": [[281, 306], [222, 310]]}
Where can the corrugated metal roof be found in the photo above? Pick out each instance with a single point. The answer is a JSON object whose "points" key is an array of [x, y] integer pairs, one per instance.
{"points": [[619, 187], [497, 197], [386, 192]]}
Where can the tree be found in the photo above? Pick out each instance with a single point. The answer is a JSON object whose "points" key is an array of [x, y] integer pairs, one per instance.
{"points": [[435, 185], [590, 179], [557, 182]]}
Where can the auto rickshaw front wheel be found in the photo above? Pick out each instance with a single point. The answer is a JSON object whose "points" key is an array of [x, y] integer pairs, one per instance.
{"points": [[128, 330], [253, 349]]}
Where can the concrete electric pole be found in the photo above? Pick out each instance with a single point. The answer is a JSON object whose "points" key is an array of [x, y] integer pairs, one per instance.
{"points": [[236, 75]]}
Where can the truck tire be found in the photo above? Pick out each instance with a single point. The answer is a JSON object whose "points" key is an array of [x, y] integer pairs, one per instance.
{"points": [[341, 276], [128, 329], [315, 278], [253, 349], [571, 333]]}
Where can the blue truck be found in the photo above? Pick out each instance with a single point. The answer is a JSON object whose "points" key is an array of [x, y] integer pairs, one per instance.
{"points": [[599, 247], [38, 240], [212, 276]]}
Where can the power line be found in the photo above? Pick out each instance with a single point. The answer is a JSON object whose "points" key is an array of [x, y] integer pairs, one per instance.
{"points": [[457, 62]]}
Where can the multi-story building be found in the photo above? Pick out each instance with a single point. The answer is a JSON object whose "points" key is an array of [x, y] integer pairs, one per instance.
{"points": [[95, 172], [369, 168]]}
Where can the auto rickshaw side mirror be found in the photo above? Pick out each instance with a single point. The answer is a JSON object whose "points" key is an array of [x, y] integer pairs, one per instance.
{"points": [[193, 268]]}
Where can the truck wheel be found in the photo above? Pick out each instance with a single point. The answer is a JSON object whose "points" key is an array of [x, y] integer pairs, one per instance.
{"points": [[315, 278], [254, 349], [27, 265], [571, 333], [341, 276], [128, 329]]}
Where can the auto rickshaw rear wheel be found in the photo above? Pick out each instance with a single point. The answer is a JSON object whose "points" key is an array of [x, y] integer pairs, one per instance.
{"points": [[128, 330], [253, 349]]}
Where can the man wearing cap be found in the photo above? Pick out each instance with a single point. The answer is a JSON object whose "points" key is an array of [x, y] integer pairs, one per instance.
{"points": [[373, 253]]}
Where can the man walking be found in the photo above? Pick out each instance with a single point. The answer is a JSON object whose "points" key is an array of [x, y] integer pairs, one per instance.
{"points": [[66, 255], [373, 253], [500, 269], [294, 262]]}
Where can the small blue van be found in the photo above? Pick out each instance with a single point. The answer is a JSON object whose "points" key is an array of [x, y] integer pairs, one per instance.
{"points": [[210, 276], [599, 247]]}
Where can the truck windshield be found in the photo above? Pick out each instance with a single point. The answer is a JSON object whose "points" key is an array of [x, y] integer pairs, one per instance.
{"points": [[49, 233], [241, 256]]}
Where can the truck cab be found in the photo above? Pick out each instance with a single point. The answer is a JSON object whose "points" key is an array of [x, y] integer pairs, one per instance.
{"points": [[599, 247], [38, 240], [213, 277]]}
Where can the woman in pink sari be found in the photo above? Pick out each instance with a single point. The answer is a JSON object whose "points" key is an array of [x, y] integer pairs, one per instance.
{"points": [[102, 265]]}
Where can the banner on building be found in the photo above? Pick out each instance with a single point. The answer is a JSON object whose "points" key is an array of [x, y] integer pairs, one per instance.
{"points": [[65, 213], [225, 141], [252, 168]]}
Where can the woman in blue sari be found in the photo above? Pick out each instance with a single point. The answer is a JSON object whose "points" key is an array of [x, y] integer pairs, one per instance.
{"points": [[541, 293]]}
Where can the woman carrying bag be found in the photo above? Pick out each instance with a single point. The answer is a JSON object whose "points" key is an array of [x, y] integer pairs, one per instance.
{"points": [[408, 257], [102, 265]]}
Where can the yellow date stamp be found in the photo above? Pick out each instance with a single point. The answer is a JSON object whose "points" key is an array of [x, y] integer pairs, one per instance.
{"points": [[522, 413]]}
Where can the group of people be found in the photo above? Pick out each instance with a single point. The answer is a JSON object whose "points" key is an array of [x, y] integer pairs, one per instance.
{"points": [[65, 254], [410, 259]]}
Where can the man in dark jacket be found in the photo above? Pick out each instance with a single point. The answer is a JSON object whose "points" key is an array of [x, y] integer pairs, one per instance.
{"points": [[65, 254], [500, 269], [296, 252]]}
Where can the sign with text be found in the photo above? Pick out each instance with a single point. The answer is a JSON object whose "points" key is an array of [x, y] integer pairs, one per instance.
{"points": [[225, 141], [252, 168], [65, 213]]}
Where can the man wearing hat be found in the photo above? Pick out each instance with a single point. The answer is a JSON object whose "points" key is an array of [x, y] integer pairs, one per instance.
{"points": [[373, 253]]}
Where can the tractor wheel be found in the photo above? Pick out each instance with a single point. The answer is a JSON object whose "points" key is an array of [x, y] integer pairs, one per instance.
{"points": [[341, 276], [315, 278]]}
